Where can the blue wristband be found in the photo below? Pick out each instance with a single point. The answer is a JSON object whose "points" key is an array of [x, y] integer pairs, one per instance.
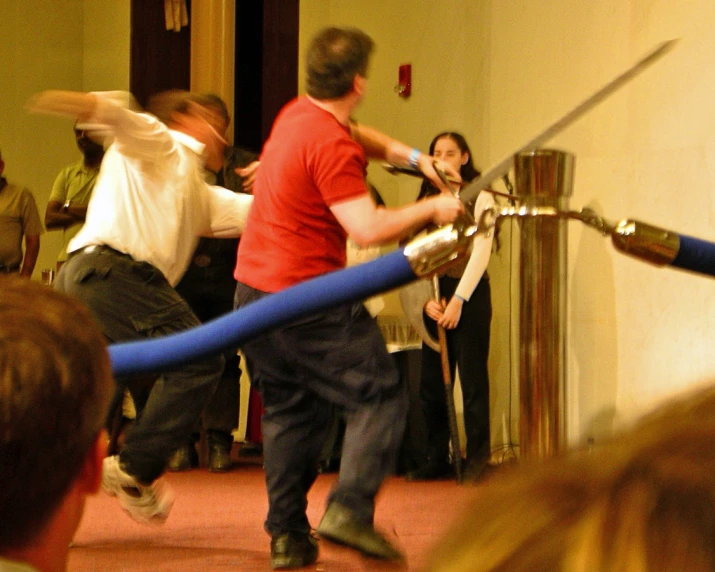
{"points": [[412, 159]]}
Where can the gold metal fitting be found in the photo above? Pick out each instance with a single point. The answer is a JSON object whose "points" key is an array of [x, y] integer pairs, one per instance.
{"points": [[650, 243], [435, 252]]}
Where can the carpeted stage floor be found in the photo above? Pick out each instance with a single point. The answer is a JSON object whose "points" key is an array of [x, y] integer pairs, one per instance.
{"points": [[217, 524]]}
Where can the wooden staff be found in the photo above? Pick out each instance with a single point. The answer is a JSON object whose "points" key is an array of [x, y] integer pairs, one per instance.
{"points": [[448, 389]]}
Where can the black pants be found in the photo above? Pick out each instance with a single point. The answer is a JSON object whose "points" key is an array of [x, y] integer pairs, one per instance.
{"points": [[133, 301], [338, 357], [209, 292], [468, 349]]}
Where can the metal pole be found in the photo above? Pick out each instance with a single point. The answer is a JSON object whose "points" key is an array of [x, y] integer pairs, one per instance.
{"points": [[543, 178]]}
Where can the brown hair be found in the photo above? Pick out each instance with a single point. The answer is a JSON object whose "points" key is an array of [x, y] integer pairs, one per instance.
{"points": [[335, 57], [55, 387]]}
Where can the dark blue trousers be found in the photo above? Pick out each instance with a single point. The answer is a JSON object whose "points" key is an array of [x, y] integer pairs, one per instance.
{"points": [[335, 357], [133, 301]]}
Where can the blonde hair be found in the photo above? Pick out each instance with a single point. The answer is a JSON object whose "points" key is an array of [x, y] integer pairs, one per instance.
{"points": [[644, 502]]}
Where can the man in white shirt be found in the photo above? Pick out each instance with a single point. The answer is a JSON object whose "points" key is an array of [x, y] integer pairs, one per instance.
{"points": [[148, 209]]}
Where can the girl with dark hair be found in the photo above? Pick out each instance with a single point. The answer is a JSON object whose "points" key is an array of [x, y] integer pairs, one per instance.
{"points": [[465, 312]]}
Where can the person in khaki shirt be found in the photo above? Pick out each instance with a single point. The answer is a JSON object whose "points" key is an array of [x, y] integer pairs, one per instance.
{"points": [[72, 189], [19, 220]]}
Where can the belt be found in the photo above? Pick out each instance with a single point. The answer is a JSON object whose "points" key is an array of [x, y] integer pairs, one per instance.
{"points": [[100, 248]]}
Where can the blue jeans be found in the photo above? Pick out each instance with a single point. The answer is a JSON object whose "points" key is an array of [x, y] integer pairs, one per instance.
{"points": [[132, 301], [335, 357]]}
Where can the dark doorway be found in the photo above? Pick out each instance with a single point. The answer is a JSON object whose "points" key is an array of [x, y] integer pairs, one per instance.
{"points": [[159, 59], [266, 66]]}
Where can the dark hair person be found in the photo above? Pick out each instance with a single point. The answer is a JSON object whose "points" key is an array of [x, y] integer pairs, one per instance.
{"points": [[465, 311]]}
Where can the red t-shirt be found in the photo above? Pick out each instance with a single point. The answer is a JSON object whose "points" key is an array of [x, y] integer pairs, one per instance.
{"points": [[309, 163]]}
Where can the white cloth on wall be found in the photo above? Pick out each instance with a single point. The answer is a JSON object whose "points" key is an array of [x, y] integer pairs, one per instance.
{"points": [[175, 14]]}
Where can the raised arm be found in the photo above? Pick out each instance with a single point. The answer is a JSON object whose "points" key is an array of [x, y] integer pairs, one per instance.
{"points": [[377, 145], [79, 105], [138, 134]]}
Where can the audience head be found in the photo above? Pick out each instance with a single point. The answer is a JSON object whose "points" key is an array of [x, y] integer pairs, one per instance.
{"points": [[644, 502], [337, 58], [90, 146], [55, 388]]}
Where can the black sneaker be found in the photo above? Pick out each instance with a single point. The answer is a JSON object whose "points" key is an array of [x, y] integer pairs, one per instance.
{"points": [[293, 550]]}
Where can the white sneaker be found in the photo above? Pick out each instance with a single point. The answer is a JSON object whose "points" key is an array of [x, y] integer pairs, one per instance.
{"points": [[148, 504]]}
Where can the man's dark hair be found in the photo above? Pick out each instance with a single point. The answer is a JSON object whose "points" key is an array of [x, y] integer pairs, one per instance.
{"points": [[55, 387], [335, 57]]}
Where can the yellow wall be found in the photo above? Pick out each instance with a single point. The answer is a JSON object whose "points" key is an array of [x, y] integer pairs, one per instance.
{"points": [[500, 72]]}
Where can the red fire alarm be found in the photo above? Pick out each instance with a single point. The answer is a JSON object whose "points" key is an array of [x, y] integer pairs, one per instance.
{"points": [[404, 81]]}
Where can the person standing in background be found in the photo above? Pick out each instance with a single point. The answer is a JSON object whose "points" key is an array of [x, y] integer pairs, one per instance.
{"points": [[465, 312], [72, 189], [19, 221], [208, 286]]}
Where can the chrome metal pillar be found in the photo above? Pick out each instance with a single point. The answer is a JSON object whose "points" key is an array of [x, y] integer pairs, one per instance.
{"points": [[543, 178]]}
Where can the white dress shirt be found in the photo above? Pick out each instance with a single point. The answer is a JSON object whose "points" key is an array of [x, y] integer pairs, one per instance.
{"points": [[150, 200]]}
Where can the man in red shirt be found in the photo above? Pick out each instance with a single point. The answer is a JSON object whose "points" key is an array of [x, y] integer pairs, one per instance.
{"points": [[309, 195]]}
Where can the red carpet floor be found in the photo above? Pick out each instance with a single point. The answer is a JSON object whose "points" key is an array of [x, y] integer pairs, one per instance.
{"points": [[217, 524]]}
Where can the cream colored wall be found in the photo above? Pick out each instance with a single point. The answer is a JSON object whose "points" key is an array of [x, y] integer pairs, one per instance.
{"points": [[53, 44], [638, 334], [500, 72], [41, 48], [106, 45]]}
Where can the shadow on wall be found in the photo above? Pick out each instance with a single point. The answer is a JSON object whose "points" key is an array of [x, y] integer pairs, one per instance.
{"points": [[593, 337]]}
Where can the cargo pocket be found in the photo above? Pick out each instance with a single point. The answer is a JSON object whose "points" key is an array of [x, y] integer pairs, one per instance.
{"points": [[88, 274], [169, 320]]}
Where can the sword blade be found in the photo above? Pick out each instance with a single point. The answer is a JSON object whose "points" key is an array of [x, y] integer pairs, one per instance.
{"points": [[503, 167]]}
